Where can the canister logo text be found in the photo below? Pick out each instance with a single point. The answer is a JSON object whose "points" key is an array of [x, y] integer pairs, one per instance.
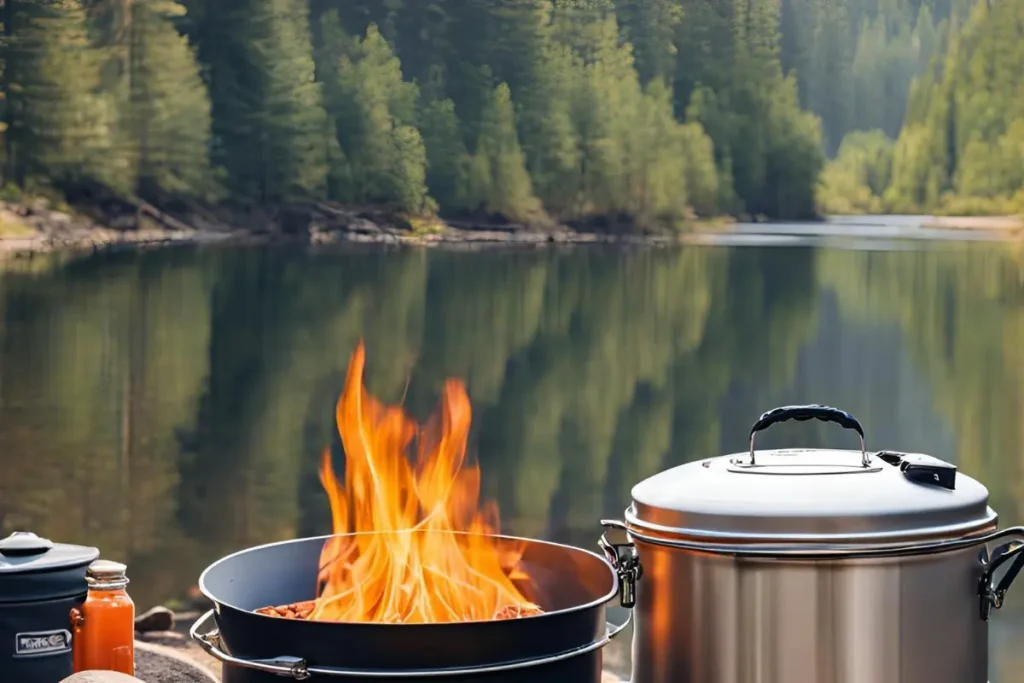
{"points": [[42, 643]]}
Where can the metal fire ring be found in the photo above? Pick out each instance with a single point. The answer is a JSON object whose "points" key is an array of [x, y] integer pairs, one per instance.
{"points": [[300, 670]]}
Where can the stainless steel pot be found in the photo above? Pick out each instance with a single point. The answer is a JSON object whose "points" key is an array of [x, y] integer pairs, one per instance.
{"points": [[813, 566]]}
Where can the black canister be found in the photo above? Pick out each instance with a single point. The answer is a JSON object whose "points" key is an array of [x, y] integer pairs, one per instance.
{"points": [[40, 581]]}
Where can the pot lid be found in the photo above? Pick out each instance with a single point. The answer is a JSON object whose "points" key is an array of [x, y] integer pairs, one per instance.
{"points": [[811, 495], [34, 568]]}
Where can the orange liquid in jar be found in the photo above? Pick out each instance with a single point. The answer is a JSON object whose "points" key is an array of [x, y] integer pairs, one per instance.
{"points": [[104, 634]]}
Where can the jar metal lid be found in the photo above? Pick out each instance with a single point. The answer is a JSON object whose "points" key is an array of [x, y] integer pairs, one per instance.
{"points": [[106, 575]]}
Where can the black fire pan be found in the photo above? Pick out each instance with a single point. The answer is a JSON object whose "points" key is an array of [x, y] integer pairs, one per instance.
{"points": [[571, 585]]}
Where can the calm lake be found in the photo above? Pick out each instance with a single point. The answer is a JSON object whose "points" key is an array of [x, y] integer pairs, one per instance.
{"points": [[171, 406]]}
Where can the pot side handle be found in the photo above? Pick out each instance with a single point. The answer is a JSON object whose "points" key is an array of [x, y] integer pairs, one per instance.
{"points": [[993, 591], [810, 412]]}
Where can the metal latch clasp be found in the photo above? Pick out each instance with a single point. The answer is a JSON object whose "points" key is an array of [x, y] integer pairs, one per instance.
{"points": [[993, 592], [625, 560]]}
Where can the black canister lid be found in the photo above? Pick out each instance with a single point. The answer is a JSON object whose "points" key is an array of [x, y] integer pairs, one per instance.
{"points": [[34, 568]]}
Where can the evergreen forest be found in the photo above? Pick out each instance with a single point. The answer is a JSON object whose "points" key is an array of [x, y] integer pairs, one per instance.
{"points": [[589, 113]]}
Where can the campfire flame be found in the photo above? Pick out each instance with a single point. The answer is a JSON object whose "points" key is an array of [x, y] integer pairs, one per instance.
{"points": [[413, 569]]}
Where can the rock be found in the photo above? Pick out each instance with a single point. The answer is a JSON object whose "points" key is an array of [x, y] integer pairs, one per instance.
{"points": [[100, 677], [363, 226], [323, 237], [159, 664], [156, 619]]}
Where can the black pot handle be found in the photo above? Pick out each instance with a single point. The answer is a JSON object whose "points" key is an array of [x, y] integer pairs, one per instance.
{"points": [[993, 592], [809, 412]]}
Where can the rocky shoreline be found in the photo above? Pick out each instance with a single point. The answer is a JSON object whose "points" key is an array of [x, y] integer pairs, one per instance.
{"points": [[36, 227]]}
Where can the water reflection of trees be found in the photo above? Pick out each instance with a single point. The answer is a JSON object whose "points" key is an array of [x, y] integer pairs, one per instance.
{"points": [[170, 406], [961, 310], [101, 363]]}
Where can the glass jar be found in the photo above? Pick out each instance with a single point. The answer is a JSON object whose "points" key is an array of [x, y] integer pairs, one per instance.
{"points": [[104, 626]]}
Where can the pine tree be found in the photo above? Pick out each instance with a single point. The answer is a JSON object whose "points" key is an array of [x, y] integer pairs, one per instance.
{"points": [[518, 41], [374, 111], [606, 111], [752, 113], [499, 183], [650, 27], [271, 131], [61, 126], [702, 177], [831, 93], [657, 156], [794, 158], [447, 158], [705, 47], [546, 127], [167, 110], [886, 61]]}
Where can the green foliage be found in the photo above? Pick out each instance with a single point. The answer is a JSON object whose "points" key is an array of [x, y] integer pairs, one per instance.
{"points": [[817, 45], [608, 104], [498, 181], [447, 158], [374, 111], [522, 110], [658, 154], [651, 26], [768, 151], [702, 178], [855, 59], [884, 65], [527, 110], [637, 161], [794, 158], [166, 113], [61, 126], [271, 132], [856, 179], [963, 141], [589, 112], [550, 138], [961, 146]]}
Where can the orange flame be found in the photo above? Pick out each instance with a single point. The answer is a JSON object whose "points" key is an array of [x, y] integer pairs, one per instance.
{"points": [[414, 568]]}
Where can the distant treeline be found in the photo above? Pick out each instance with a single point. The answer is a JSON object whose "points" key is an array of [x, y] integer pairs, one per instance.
{"points": [[961, 147], [586, 112]]}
